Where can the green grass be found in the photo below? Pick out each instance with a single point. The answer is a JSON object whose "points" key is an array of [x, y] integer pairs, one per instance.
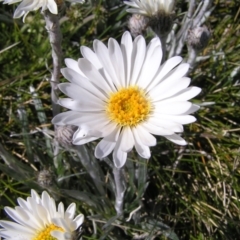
{"points": [[190, 191]]}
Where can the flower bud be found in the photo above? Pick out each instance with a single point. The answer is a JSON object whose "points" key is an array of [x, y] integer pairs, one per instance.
{"points": [[45, 178], [198, 37], [137, 24], [64, 134]]}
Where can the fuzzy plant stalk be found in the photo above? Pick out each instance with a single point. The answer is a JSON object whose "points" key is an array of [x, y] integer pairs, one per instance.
{"points": [[119, 185], [194, 18], [197, 40], [55, 38], [120, 188], [164, 46]]}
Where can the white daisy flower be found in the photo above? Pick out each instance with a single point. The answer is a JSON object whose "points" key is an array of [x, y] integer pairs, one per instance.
{"points": [[150, 7], [38, 219], [32, 5], [124, 95]]}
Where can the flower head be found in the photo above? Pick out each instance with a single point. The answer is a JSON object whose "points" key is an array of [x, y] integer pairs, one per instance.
{"points": [[33, 5], [159, 13], [150, 8], [198, 37], [124, 95], [64, 134], [137, 24], [38, 219], [45, 178]]}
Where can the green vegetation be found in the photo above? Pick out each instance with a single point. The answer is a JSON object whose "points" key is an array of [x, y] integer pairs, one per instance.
{"points": [[190, 192]]}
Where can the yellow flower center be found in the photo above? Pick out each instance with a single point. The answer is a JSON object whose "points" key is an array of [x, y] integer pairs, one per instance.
{"points": [[129, 106], [45, 234]]}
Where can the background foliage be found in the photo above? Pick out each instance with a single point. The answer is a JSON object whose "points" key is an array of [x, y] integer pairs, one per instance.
{"points": [[187, 192]]}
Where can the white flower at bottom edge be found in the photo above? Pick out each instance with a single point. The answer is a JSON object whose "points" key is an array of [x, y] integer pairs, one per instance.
{"points": [[150, 7], [124, 95], [38, 219]]}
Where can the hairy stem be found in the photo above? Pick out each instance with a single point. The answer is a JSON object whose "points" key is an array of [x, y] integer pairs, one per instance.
{"points": [[120, 189], [55, 38]]}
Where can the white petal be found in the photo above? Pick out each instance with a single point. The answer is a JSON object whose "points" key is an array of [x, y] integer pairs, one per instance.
{"points": [[58, 235], [94, 121], [136, 11], [83, 82], [81, 141], [94, 75], [19, 12], [16, 227], [104, 148], [44, 5], [81, 106], [174, 108], [85, 131], [48, 203], [173, 126], [127, 139], [142, 149], [168, 83], [127, 46], [192, 109], [176, 139], [61, 209], [138, 56], [91, 57], [70, 212], [73, 64], [13, 234], [52, 6], [176, 88], [42, 214], [10, 1], [35, 196], [156, 130], [78, 220], [164, 70], [20, 216], [181, 119], [184, 95], [146, 138], [131, 4], [119, 156], [103, 55], [113, 132], [151, 63], [116, 58], [78, 93], [64, 118], [60, 222], [29, 5], [24, 204]]}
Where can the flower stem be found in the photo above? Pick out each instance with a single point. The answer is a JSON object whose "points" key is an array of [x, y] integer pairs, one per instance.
{"points": [[192, 56], [120, 189], [164, 47], [55, 38]]}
